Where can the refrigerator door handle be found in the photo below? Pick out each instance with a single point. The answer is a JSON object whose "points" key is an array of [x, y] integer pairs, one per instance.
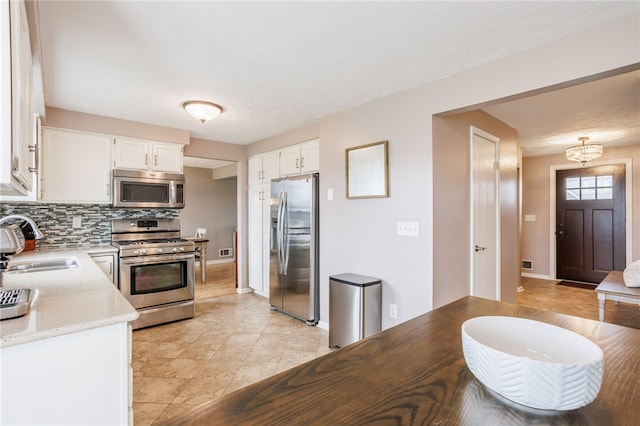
{"points": [[285, 235], [279, 233]]}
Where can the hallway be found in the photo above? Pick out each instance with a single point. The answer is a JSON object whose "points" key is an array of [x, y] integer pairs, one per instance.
{"points": [[546, 295]]}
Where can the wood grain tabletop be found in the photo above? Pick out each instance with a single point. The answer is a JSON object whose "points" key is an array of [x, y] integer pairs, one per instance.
{"points": [[415, 373]]}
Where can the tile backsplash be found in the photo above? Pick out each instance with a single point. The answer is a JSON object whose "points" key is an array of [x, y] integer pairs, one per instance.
{"points": [[55, 221]]}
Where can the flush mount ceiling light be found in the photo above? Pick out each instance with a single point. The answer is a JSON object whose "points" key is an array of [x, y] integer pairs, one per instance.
{"points": [[202, 110], [583, 153]]}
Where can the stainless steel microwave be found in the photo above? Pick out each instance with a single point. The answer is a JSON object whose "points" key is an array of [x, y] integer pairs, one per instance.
{"points": [[146, 189]]}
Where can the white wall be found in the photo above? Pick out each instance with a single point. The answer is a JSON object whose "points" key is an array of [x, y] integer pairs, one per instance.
{"points": [[359, 235]]}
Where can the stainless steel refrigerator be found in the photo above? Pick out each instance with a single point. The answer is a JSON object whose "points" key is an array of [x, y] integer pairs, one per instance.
{"points": [[293, 265]]}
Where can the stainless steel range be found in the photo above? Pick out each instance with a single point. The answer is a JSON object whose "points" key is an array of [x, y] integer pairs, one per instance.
{"points": [[157, 270]]}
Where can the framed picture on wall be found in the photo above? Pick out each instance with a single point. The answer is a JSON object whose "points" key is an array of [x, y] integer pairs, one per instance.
{"points": [[367, 170]]}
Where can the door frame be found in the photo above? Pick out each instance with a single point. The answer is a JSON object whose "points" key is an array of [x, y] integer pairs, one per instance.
{"points": [[628, 176], [473, 131]]}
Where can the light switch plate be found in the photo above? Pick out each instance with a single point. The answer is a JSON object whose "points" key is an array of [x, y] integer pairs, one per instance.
{"points": [[77, 222], [409, 229], [529, 217]]}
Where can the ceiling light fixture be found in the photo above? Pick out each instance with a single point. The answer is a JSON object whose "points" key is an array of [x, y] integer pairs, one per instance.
{"points": [[202, 110], [583, 153]]}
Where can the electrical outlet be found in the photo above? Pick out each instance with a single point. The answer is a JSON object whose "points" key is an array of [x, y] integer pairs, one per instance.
{"points": [[409, 229], [77, 222], [393, 310]]}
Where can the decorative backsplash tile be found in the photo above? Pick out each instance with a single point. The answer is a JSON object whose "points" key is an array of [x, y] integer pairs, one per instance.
{"points": [[55, 221]]}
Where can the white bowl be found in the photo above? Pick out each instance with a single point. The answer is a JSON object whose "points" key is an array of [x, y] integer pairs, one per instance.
{"points": [[533, 363]]}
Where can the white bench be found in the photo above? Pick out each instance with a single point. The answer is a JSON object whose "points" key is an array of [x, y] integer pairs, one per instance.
{"points": [[613, 288]]}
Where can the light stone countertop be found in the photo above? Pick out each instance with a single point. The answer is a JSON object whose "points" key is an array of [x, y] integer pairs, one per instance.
{"points": [[64, 301]]}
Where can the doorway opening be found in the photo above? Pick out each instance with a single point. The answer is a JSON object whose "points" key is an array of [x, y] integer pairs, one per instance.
{"points": [[211, 217]]}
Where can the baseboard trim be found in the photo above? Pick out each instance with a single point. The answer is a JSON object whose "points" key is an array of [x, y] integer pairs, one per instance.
{"points": [[244, 290], [323, 325], [539, 276], [219, 261]]}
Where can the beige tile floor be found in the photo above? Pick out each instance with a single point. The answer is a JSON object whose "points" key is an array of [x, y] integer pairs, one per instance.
{"points": [[233, 341]]}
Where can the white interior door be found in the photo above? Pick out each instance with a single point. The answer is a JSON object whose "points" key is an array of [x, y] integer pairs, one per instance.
{"points": [[485, 247]]}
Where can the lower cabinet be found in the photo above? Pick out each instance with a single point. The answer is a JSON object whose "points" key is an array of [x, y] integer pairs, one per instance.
{"points": [[81, 378], [108, 263]]}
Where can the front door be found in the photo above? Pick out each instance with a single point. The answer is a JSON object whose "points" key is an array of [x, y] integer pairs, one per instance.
{"points": [[590, 222]]}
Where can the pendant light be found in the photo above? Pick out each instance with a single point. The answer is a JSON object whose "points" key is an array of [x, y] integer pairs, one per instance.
{"points": [[583, 153]]}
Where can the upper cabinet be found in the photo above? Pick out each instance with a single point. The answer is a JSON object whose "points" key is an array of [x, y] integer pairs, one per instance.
{"points": [[262, 168], [17, 145], [75, 167], [292, 160], [141, 154], [301, 158]]}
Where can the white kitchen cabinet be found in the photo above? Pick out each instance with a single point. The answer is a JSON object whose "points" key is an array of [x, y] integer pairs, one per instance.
{"points": [[81, 378], [293, 160], [75, 167], [142, 154], [17, 144], [300, 158], [259, 237], [108, 263], [262, 168]]}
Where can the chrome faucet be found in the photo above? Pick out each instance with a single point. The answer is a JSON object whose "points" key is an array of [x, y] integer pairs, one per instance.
{"points": [[36, 232], [4, 260]]}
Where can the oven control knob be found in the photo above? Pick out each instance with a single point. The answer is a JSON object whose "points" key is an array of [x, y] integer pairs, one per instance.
{"points": [[174, 250], [143, 252], [181, 248], [160, 251], [136, 252]]}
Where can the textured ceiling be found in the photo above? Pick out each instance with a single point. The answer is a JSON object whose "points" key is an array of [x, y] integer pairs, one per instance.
{"points": [[274, 66], [607, 111]]}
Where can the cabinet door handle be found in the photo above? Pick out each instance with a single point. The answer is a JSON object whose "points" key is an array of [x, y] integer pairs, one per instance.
{"points": [[146, 159], [301, 162], [107, 190], [155, 160], [34, 149], [297, 163]]}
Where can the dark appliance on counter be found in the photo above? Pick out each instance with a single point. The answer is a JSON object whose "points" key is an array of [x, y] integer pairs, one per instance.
{"points": [[293, 283], [157, 269], [146, 189]]}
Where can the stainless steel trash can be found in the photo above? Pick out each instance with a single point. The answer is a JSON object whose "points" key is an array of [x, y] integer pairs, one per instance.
{"points": [[354, 308]]}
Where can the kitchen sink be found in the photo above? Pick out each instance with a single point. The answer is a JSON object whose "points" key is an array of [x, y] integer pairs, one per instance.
{"points": [[43, 265]]}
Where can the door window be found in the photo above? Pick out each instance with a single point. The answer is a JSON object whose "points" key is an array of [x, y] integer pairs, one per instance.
{"points": [[589, 188]]}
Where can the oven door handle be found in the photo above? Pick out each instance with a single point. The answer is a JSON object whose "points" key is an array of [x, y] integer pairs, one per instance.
{"points": [[164, 258]]}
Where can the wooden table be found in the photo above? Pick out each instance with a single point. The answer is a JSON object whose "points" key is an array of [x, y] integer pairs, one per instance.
{"points": [[201, 247], [415, 373], [613, 288]]}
